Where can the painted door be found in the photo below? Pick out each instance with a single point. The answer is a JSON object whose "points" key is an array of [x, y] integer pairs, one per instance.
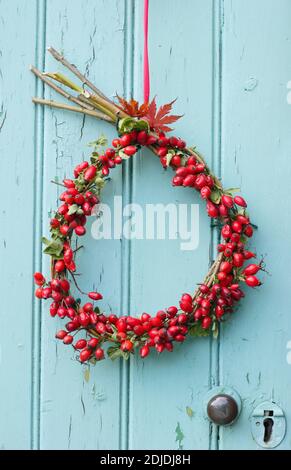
{"points": [[228, 62]]}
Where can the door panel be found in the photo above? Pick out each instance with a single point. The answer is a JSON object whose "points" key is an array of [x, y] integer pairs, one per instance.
{"points": [[255, 156], [163, 388]]}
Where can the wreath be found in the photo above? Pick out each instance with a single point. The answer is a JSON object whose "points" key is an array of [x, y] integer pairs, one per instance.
{"points": [[88, 328]]}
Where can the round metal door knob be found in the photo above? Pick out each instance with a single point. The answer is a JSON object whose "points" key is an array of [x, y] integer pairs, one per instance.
{"points": [[222, 409]]}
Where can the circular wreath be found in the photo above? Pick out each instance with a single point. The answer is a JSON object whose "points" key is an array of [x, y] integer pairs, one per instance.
{"points": [[198, 314]]}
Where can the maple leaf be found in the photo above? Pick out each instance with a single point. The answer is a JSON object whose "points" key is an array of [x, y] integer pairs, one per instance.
{"points": [[132, 107], [159, 119]]}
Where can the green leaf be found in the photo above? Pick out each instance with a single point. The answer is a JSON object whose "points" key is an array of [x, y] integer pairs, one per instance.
{"points": [[100, 142], [53, 247], [129, 124], [123, 155], [73, 209], [215, 330], [169, 156], [215, 196], [231, 191], [114, 353], [197, 330], [97, 310], [99, 181]]}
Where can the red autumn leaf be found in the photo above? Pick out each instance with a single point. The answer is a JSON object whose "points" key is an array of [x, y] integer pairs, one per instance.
{"points": [[159, 120], [132, 107]]}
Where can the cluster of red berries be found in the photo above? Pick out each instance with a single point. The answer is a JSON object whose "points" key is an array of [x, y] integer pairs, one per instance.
{"points": [[212, 300]]}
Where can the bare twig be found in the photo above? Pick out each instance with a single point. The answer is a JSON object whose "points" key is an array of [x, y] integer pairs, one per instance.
{"points": [[59, 90], [83, 79], [210, 275], [55, 104], [76, 284], [60, 58]]}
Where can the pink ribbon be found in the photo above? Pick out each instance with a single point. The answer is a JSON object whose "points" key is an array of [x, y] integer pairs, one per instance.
{"points": [[146, 71]]}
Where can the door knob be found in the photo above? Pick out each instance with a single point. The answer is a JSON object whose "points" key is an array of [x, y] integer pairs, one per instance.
{"points": [[223, 406]]}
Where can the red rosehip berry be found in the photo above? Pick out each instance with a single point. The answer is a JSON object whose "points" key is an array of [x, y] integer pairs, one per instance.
{"points": [[54, 223], [182, 318], [189, 180], [240, 201], [238, 259], [251, 269], [212, 210], [180, 338], [85, 355], [84, 319], [65, 285], [110, 153], [68, 339], [160, 347], [205, 192], [54, 309], [130, 150], [162, 152], [204, 289], [144, 351], [39, 279], [236, 226], [248, 231], [223, 210], [59, 266], [227, 200], [248, 254], [226, 267], [252, 281], [177, 181], [69, 183], [93, 342], [142, 137], [95, 296], [121, 325], [125, 140], [226, 232], [172, 311], [80, 230], [99, 354], [61, 334], [46, 292], [206, 322], [186, 306], [176, 160], [80, 344], [145, 317], [126, 345], [116, 143]]}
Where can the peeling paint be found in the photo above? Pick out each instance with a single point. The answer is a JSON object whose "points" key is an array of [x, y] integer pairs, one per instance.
{"points": [[83, 405], [251, 84], [3, 120], [179, 436], [87, 374], [70, 432], [190, 412]]}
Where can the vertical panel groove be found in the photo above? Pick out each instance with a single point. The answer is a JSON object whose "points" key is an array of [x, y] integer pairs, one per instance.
{"points": [[216, 166], [37, 221], [126, 249]]}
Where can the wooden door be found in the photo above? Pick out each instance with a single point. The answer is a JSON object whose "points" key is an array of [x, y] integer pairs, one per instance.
{"points": [[228, 62]]}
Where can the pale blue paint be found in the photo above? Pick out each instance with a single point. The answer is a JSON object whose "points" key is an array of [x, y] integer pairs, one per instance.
{"points": [[229, 63]]}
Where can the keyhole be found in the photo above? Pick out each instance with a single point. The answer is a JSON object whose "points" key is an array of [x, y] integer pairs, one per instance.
{"points": [[268, 424]]}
